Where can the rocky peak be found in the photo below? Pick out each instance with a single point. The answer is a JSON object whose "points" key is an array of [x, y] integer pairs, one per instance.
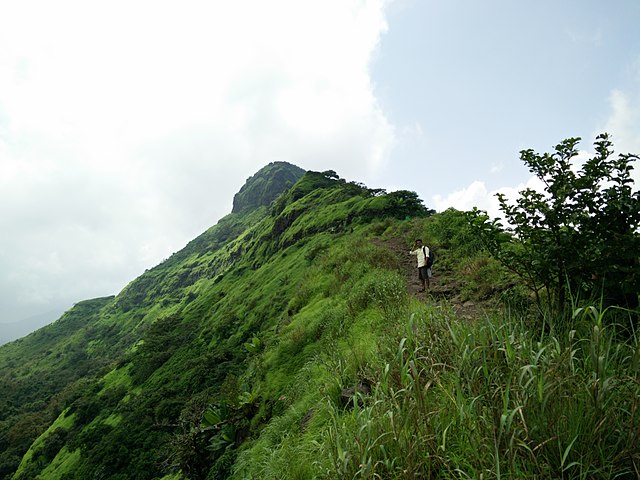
{"points": [[263, 187]]}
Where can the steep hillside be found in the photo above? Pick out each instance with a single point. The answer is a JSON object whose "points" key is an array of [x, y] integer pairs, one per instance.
{"points": [[131, 366], [289, 342]]}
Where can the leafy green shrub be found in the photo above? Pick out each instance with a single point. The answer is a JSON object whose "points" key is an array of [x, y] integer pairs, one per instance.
{"points": [[159, 343], [577, 237]]}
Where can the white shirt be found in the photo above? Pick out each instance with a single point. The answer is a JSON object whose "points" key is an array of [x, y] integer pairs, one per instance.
{"points": [[421, 254]]}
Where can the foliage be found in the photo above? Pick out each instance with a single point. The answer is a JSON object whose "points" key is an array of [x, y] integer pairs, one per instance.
{"points": [[263, 187], [491, 400], [579, 237], [282, 343], [158, 344]]}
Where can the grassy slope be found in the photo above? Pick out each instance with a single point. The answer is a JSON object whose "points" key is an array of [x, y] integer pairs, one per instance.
{"points": [[494, 397], [234, 359], [194, 310]]}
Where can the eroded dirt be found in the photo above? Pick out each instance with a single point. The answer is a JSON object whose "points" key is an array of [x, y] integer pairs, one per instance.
{"points": [[444, 285]]}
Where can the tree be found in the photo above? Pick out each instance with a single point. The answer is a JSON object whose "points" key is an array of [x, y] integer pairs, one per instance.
{"points": [[404, 203], [579, 236]]}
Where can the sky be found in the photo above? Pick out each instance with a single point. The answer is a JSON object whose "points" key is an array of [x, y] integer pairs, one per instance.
{"points": [[126, 127]]}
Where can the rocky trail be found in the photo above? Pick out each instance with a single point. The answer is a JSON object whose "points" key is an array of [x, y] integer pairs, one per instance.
{"points": [[443, 285]]}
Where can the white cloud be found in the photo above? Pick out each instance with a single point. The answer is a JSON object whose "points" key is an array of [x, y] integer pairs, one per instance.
{"points": [[474, 195], [624, 122], [477, 195], [127, 126], [583, 36], [496, 168]]}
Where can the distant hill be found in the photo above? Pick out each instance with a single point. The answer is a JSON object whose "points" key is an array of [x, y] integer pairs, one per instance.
{"points": [[13, 330]]}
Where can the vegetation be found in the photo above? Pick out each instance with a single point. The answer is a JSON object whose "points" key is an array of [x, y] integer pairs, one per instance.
{"points": [[264, 186], [284, 343], [579, 237]]}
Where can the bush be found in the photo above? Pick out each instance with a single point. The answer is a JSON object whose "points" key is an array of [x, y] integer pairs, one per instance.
{"points": [[579, 237]]}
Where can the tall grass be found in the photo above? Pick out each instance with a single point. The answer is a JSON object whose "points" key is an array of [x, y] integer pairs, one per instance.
{"points": [[495, 399], [498, 397]]}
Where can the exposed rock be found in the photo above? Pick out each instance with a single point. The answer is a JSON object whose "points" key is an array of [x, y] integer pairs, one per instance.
{"points": [[262, 188], [306, 419], [348, 395]]}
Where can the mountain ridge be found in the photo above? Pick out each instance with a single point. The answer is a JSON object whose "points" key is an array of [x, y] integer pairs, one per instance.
{"points": [[289, 341], [95, 336]]}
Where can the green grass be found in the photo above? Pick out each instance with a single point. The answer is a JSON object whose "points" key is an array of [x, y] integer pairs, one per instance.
{"points": [[63, 422], [62, 465], [238, 358], [492, 398]]}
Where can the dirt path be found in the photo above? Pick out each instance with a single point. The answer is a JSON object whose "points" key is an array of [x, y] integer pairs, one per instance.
{"points": [[444, 285]]}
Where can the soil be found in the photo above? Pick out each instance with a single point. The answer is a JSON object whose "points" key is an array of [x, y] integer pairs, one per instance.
{"points": [[443, 285]]}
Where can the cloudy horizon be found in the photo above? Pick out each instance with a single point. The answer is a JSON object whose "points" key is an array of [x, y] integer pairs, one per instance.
{"points": [[127, 127]]}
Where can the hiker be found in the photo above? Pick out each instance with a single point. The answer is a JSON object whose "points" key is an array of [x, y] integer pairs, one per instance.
{"points": [[422, 254]]}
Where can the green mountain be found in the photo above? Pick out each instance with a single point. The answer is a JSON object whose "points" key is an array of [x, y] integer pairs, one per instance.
{"points": [[290, 341], [263, 188]]}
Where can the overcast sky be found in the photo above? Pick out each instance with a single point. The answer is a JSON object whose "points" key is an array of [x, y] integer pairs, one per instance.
{"points": [[126, 127]]}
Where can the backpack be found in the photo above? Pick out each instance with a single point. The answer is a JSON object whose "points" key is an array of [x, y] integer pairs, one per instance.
{"points": [[431, 258]]}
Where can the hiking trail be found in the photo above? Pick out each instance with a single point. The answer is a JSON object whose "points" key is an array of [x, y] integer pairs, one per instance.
{"points": [[443, 285]]}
